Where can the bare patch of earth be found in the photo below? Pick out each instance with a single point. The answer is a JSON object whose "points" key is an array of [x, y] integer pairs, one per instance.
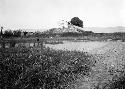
{"points": [[109, 69]]}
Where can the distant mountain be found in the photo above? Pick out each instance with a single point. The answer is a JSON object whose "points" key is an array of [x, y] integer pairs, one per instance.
{"points": [[80, 30], [105, 29]]}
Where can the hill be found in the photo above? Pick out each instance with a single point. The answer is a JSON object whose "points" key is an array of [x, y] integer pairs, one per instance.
{"points": [[72, 28], [93, 29]]}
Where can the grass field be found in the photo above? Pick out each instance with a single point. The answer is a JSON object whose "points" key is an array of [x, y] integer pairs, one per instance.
{"points": [[23, 68], [44, 68]]}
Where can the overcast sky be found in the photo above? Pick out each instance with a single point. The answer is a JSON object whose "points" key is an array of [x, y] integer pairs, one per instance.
{"points": [[44, 14]]}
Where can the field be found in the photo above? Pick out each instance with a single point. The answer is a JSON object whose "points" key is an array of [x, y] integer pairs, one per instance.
{"points": [[44, 68], [23, 68], [88, 46]]}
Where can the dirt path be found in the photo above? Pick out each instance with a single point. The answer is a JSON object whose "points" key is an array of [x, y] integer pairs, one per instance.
{"points": [[110, 66]]}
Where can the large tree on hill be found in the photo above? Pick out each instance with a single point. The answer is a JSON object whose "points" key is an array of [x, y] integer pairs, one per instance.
{"points": [[76, 21]]}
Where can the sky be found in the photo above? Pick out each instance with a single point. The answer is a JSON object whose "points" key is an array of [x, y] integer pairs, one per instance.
{"points": [[45, 14]]}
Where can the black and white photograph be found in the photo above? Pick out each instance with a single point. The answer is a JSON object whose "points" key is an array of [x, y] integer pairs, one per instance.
{"points": [[62, 44]]}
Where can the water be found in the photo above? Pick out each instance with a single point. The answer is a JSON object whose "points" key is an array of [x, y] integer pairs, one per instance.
{"points": [[78, 46]]}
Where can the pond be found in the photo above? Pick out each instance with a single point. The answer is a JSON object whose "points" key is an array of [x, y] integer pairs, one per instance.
{"points": [[78, 46]]}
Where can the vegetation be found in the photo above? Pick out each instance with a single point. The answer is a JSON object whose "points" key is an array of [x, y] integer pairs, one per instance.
{"points": [[87, 35], [17, 33], [76, 21], [25, 68], [25, 33], [44, 68], [8, 34]]}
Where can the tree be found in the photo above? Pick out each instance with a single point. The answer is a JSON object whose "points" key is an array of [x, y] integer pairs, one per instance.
{"points": [[17, 33], [25, 33], [76, 21], [8, 34], [1, 33]]}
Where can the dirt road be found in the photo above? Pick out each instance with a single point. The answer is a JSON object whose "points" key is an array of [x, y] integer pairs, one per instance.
{"points": [[110, 66]]}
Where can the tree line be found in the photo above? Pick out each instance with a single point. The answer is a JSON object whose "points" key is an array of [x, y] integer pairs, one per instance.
{"points": [[10, 33]]}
